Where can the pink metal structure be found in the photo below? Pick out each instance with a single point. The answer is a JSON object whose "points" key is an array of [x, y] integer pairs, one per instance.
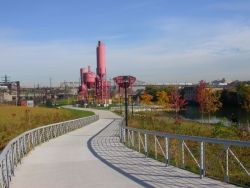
{"points": [[121, 81], [95, 82], [124, 81]]}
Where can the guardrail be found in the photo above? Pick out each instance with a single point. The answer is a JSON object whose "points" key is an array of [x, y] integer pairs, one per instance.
{"points": [[136, 108], [138, 139], [17, 148]]}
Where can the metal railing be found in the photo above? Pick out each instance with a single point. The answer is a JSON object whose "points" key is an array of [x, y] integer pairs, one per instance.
{"points": [[17, 148], [138, 139], [136, 108]]}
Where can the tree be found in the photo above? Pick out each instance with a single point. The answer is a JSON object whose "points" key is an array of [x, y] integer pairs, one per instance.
{"points": [[177, 103], [244, 91], [200, 96], [163, 98], [212, 102], [207, 99], [152, 90], [146, 98]]}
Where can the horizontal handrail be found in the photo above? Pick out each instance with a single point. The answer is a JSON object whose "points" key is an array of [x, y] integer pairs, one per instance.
{"points": [[18, 147], [226, 143], [192, 138]]}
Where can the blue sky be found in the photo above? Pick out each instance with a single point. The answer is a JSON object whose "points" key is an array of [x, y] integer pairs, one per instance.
{"points": [[154, 40]]}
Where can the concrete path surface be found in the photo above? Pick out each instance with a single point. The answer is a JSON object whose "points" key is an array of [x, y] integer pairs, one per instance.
{"points": [[93, 157]]}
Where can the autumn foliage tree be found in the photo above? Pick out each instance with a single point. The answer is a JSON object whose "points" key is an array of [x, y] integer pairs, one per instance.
{"points": [[177, 103], [163, 99], [207, 99], [201, 96], [212, 103], [146, 98]]}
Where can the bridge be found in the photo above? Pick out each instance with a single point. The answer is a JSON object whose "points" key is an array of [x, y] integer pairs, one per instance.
{"points": [[90, 153]]}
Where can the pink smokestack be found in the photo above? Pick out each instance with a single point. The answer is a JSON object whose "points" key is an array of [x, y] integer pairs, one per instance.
{"points": [[82, 70], [101, 65]]}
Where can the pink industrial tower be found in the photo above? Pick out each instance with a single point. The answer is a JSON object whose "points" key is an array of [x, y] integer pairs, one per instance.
{"points": [[95, 82]]}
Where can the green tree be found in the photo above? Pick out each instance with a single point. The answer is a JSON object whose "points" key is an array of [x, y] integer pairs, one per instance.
{"points": [[244, 91]]}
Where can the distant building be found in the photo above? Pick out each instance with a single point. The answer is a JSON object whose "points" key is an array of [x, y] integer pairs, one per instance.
{"points": [[6, 95], [220, 83]]}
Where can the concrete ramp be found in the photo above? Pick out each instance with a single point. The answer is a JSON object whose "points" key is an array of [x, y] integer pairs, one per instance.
{"points": [[93, 157]]}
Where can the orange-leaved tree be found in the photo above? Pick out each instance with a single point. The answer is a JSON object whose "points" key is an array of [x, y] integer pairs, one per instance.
{"points": [[201, 96], [163, 99], [207, 99], [212, 102], [146, 98]]}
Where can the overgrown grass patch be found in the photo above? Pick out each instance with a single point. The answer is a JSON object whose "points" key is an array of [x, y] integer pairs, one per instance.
{"points": [[16, 120], [215, 156]]}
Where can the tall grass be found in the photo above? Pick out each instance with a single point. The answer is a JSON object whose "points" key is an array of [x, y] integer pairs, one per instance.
{"points": [[214, 153], [16, 120]]}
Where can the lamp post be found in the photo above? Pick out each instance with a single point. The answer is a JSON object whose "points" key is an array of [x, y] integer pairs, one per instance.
{"points": [[125, 82], [126, 98]]}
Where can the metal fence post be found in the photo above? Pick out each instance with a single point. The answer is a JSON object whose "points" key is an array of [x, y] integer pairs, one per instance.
{"points": [[155, 147], [226, 179], [133, 139], [124, 135], [139, 142], [146, 145], [120, 133], [182, 154], [7, 170], [202, 160], [167, 151]]}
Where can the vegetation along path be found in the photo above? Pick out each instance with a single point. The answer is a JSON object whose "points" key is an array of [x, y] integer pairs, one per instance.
{"points": [[93, 157]]}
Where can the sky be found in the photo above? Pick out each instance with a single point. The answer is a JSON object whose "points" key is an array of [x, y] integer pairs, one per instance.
{"points": [[154, 40]]}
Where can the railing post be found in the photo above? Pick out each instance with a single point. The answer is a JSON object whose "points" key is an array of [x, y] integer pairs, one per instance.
{"points": [[120, 134], [7, 170], [202, 160], [155, 147], [124, 135], [146, 145], [129, 140], [139, 142], [167, 151], [133, 139], [182, 154], [12, 158], [226, 178]]}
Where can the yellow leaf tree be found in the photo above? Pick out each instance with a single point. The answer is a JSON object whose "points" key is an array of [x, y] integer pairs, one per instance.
{"points": [[146, 98], [163, 99]]}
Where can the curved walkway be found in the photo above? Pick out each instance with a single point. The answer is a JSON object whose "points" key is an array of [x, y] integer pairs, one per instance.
{"points": [[93, 157]]}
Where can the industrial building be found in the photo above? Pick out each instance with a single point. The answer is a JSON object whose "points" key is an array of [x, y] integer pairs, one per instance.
{"points": [[94, 87]]}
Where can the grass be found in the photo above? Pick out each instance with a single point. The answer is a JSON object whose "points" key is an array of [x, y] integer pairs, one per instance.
{"points": [[65, 101], [16, 120], [215, 153], [163, 122]]}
